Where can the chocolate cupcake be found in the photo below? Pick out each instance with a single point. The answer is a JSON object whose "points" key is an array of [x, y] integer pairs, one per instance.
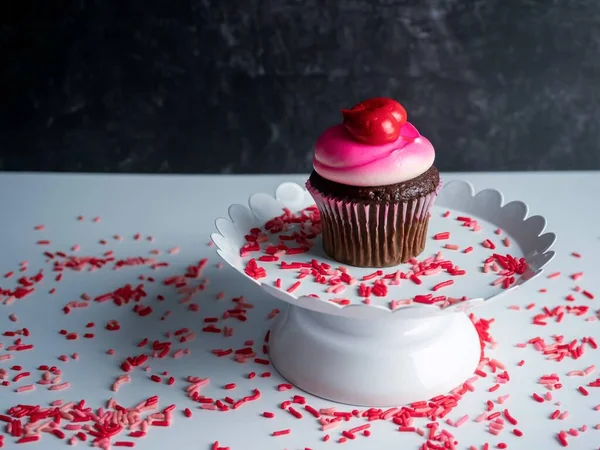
{"points": [[374, 183]]}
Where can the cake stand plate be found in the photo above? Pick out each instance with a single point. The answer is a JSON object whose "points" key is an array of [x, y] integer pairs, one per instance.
{"points": [[385, 350]]}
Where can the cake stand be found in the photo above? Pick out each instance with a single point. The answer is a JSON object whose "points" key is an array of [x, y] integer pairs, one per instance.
{"points": [[389, 349]]}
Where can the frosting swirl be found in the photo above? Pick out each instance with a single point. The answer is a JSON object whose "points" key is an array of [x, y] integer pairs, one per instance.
{"points": [[341, 158]]}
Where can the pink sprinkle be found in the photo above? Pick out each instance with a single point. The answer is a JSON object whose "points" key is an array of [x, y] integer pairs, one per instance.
{"points": [[451, 246], [481, 417], [506, 242], [461, 421], [60, 387], [28, 387], [489, 244], [96, 219], [174, 251], [498, 231], [338, 289], [13, 318], [503, 398]]}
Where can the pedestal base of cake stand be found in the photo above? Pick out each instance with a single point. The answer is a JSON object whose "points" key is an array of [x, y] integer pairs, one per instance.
{"points": [[385, 362]]}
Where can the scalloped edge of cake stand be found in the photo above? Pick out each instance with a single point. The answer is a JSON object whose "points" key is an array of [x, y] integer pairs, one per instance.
{"points": [[457, 195]]}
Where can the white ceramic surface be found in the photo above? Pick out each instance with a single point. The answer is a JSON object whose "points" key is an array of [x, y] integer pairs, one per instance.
{"points": [[387, 361]]}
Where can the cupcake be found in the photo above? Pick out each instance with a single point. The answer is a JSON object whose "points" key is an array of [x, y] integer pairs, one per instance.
{"points": [[374, 183]]}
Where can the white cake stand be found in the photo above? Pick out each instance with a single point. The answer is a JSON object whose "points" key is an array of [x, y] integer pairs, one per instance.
{"points": [[371, 354]]}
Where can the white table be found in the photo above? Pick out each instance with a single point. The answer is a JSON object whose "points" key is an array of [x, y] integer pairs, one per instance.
{"points": [[179, 211]]}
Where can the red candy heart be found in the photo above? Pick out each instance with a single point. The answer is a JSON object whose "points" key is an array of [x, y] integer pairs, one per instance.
{"points": [[375, 121]]}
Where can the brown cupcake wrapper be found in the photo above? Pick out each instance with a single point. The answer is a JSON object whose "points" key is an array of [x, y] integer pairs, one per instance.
{"points": [[373, 235]]}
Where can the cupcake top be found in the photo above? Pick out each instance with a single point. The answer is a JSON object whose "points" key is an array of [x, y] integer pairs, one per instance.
{"points": [[375, 146]]}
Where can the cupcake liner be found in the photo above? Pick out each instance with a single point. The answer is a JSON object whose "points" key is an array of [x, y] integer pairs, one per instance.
{"points": [[373, 235]]}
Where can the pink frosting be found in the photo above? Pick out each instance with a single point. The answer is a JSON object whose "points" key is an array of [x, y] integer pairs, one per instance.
{"points": [[340, 158]]}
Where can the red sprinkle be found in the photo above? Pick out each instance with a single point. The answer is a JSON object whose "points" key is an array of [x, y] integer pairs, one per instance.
{"points": [[293, 287], [562, 439], [510, 418], [588, 295], [26, 439], [160, 423], [442, 284], [282, 432], [312, 411], [537, 398], [295, 413]]}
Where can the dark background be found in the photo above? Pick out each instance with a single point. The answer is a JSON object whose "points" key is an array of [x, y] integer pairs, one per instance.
{"points": [[246, 86]]}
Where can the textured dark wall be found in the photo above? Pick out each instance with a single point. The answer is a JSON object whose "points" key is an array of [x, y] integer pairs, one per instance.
{"points": [[247, 85]]}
